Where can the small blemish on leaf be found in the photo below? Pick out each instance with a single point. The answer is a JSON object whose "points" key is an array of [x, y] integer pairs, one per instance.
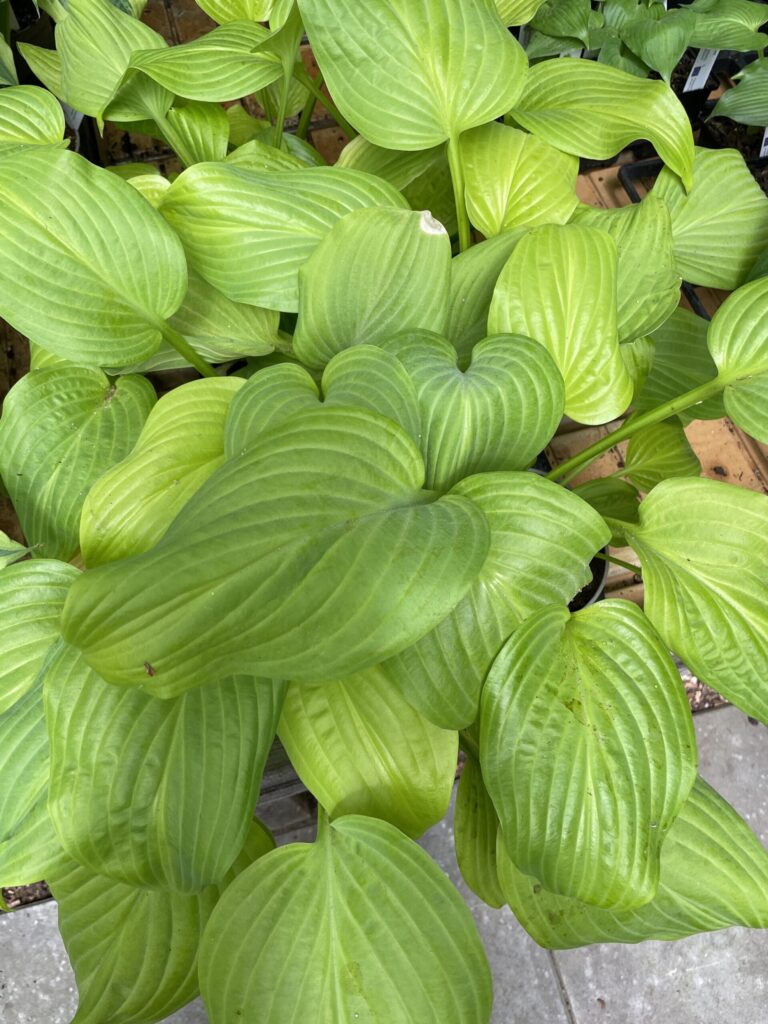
{"points": [[429, 225], [149, 669]]}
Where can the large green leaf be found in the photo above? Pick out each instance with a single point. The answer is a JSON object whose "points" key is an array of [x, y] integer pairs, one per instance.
{"points": [[558, 287], [409, 75], [681, 362], [31, 598], [727, 24], [476, 829], [736, 341], [594, 110], [360, 748], [61, 429], [197, 131], [76, 237], [513, 179], [565, 18], [659, 44], [647, 281], [363, 376], [29, 116], [703, 546], [133, 777], [707, 833], [473, 278], [588, 751], [224, 64], [134, 951], [301, 936], [129, 509], [224, 11], [247, 233], [377, 272], [542, 539], [497, 414], [658, 452], [748, 102], [285, 590], [517, 12], [721, 227]]}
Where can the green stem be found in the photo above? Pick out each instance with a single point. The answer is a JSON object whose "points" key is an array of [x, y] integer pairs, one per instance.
{"points": [[282, 106], [570, 467], [468, 745], [619, 561], [457, 177], [184, 349], [303, 76], [323, 823], [302, 129]]}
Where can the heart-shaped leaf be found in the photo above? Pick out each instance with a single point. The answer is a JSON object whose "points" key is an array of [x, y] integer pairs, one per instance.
{"points": [[476, 829], [360, 748], [647, 281], [658, 452], [51, 452], [588, 751], [558, 287], [593, 110], [247, 233], [721, 226], [736, 341], [403, 74], [513, 179], [363, 376], [703, 546], [31, 598], [536, 558], [681, 362], [497, 414], [224, 64], [708, 833], [133, 776], [285, 591], [129, 509], [122, 257], [473, 278], [134, 951], [413, 957], [377, 272], [29, 116], [659, 44]]}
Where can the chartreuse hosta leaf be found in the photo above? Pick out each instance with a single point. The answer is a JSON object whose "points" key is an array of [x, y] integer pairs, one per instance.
{"points": [[512, 179], [588, 751], [736, 341], [591, 109], [473, 278], [703, 546], [638, 356], [658, 452], [121, 266], [360, 748], [708, 833], [476, 829], [52, 451], [285, 592], [546, 293], [260, 156], [748, 102], [681, 362], [721, 226], [31, 598], [647, 280], [542, 539], [130, 507], [298, 937], [197, 131], [617, 502], [224, 64], [497, 414], [224, 11], [377, 272], [8, 75], [517, 12], [131, 805], [10, 550], [29, 116], [405, 73], [134, 951], [247, 233]]}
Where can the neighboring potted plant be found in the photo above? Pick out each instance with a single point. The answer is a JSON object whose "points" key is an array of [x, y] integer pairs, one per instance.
{"points": [[341, 543]]}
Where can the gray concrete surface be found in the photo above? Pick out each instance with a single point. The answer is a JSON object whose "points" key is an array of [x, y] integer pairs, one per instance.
{"points": [[707, 979]]}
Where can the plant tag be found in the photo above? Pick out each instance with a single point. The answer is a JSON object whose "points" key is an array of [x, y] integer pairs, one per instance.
{"points": [[703, 64], [764, 144]]}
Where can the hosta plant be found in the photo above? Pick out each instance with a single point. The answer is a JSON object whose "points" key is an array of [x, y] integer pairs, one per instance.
{"points": [[332, 535]]}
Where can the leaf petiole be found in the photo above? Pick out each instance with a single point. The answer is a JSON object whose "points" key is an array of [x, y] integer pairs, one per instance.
{"points": [[457, 177], [184, 349]]}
